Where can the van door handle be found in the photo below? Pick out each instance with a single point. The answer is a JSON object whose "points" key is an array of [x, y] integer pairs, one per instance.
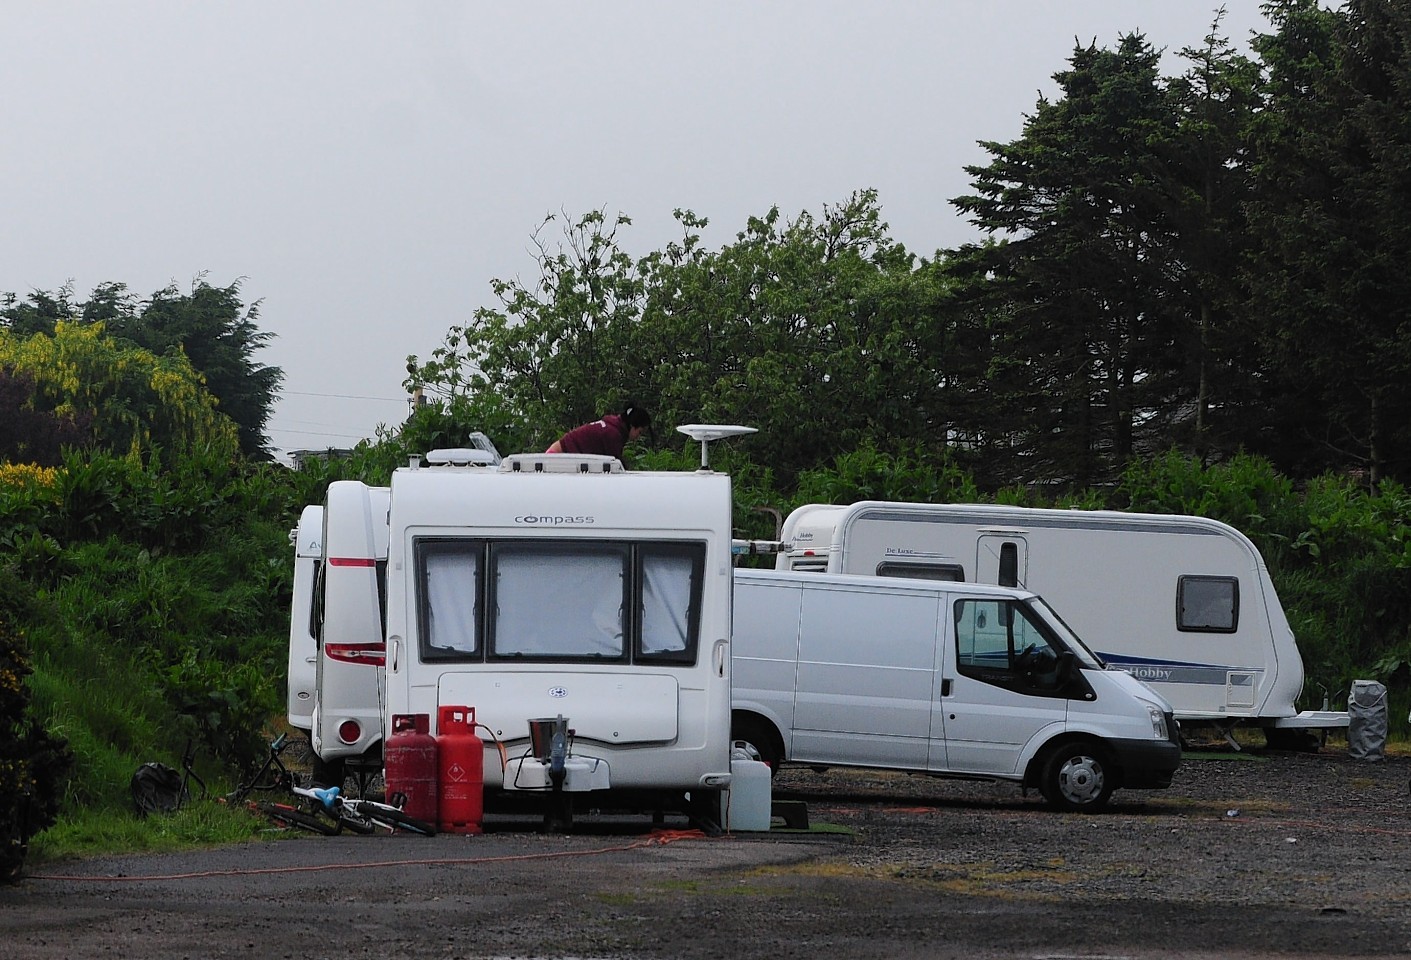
{"points": [[720, 658], [945, 687], [396, 653]]}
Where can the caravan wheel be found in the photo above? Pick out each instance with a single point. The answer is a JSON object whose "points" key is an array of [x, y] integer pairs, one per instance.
{"points": [[1077, 777]]}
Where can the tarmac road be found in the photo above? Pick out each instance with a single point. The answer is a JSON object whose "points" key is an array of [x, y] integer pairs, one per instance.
{"points": [[1277, 856]]}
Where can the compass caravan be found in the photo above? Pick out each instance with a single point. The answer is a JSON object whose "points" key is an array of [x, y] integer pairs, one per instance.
{"points": [[563, 586]]}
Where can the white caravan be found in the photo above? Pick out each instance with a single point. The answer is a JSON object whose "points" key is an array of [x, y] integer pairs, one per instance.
{"points": [[561, 589], [307, 541], [347, 614], [949, 679], [1183, 603]]}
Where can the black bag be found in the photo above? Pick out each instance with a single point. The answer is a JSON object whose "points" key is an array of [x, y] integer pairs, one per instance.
{"points": [[157, 788]]}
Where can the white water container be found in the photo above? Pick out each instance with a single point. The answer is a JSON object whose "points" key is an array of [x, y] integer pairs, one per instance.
{"points": [[749, 799]]}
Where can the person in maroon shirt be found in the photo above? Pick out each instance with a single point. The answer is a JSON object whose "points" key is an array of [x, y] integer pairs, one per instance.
{"points": [[607, 436]]}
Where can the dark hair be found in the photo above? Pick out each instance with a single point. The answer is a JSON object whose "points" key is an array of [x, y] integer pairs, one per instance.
{"points": [[635, 416]]}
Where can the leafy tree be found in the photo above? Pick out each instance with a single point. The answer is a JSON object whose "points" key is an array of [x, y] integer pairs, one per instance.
{"points": [[553, 352], [213, 329], [34, 436], [1329, 215], [38, 313], [33, 762], [1088, 337], [822, 332], [217, 333], [137, 402], [1205, 168]]}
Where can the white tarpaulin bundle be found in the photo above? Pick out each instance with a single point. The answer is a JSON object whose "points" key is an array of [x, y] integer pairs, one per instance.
{"points": [[1367, 720]]}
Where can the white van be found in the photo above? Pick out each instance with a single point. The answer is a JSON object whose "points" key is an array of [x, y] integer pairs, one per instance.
{"points": [[949, 679], [561, 585], [1184, 603]]}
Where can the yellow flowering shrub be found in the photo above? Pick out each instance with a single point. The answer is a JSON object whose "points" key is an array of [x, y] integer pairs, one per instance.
{"points": [[28, 476]]}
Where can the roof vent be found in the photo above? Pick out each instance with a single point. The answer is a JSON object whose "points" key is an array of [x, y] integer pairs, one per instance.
{"points": [[461, 457]]}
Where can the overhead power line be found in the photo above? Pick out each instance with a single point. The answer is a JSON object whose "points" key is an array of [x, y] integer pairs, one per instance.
{"points": [[341, 396]]}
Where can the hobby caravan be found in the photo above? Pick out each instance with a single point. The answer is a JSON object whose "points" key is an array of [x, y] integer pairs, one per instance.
{"points": [[1183, 603]]}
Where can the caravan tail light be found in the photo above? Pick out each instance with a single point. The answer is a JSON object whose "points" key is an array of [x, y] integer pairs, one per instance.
{"points": [[372, 654], [349, 731]]}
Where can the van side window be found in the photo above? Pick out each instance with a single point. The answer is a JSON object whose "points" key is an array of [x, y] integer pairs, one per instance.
{"points": [[1208, 604], [948, 572], [1000, 642]]}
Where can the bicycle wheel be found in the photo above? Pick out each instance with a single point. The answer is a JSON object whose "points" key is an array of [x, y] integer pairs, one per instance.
{"points": [[292, 817], [397, 820]]}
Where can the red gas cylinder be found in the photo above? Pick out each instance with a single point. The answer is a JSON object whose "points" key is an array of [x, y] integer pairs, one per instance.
{"points": [[460, 771], [409, 764]]}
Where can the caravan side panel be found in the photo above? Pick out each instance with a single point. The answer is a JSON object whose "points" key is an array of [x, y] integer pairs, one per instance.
{"points": [[303, 644], [1132, 585], [347, 712]]}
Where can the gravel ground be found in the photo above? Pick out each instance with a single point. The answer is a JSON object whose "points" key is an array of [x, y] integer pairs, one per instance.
{"points": [[1248, 855]]}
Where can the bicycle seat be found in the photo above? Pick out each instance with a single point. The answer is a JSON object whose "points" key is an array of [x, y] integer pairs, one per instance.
{"points": [[328, 796]]}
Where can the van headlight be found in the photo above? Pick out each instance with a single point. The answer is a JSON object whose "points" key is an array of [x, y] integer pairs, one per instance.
{"points": [[1158, 722]]}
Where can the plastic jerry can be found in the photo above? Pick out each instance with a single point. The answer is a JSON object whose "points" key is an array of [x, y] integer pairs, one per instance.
{"points": [[749, 799]]}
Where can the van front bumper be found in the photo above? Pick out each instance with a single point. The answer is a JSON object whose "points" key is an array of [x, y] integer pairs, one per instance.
{"points": [[1147, 764]]}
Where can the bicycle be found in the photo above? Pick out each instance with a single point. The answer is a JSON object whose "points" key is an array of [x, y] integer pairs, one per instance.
{"points": [[362, 815], [273, 776]]}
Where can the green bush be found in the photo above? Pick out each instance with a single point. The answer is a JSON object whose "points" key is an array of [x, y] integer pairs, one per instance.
{"points": [[33, 763]]}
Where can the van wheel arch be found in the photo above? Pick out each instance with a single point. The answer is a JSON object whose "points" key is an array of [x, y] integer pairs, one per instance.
{"points": [[760, 734], [1075, 774]]}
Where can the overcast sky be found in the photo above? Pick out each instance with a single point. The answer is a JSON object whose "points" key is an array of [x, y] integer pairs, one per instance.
{"points": [[366, 168]]}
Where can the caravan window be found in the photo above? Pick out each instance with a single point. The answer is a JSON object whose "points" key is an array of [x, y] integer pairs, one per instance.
{"points": [[560, 600], [451, 585], [948, 572], [316, 605], [1208, 604], [670, 606]]}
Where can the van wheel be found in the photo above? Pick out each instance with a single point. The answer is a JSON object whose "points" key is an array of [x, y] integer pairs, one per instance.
{"points": [[759, 740], [1077, 777]]}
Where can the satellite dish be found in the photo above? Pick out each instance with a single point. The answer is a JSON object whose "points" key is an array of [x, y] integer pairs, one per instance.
{"points": [[706, 432]]}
